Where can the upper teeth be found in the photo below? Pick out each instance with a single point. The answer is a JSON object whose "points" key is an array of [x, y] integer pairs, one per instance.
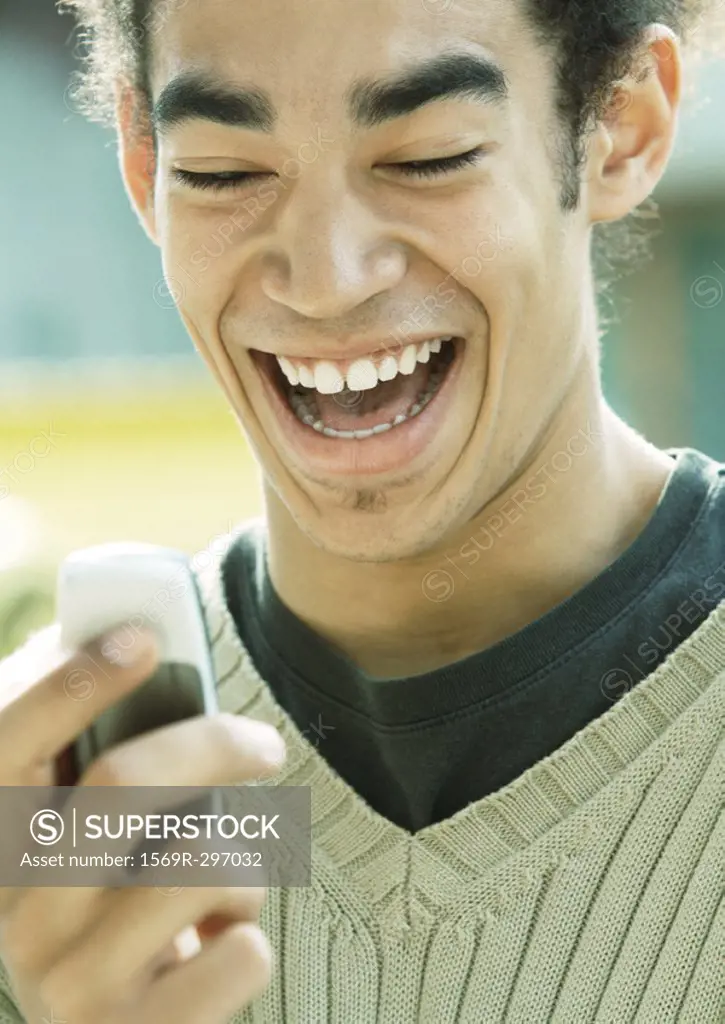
{"points": [[329, 377]]}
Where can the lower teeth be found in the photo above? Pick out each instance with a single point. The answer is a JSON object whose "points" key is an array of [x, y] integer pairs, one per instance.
{"points": [[303, 407]]}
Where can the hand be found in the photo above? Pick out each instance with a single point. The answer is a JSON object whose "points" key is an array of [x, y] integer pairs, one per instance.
{"points": [[109, 956]]}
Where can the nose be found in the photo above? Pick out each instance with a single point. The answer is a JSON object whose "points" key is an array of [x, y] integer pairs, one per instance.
{"points": [[330, 254]]}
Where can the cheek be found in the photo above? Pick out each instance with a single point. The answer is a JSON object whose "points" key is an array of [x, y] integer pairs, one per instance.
{"points": [[495, 252], [513, 258], [199, 255], [535, 316]]}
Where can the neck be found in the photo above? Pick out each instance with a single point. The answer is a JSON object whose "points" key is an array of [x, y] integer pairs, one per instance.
{"points": [[578, 502]]}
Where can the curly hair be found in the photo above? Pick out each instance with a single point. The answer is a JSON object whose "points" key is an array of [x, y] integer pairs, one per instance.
{"points": [[594, 43]]}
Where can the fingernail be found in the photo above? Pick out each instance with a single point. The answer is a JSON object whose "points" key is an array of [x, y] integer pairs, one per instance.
{"points": [[276, 748], [125, 645]]}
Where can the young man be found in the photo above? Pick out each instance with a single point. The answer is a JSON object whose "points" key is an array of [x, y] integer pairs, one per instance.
{"points": [[482, 612]]}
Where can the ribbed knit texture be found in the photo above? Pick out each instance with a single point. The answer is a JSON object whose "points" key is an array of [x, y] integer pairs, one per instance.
{"points": [[590, 889]]}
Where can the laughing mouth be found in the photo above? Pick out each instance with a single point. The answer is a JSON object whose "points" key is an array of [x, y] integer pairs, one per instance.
{"points": [[365, 398]]}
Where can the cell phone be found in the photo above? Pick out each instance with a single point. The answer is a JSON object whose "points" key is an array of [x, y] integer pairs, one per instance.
{"points": [[107, 585]]}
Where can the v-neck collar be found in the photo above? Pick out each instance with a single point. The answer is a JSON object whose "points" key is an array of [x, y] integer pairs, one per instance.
{"points": [[568, 795]]}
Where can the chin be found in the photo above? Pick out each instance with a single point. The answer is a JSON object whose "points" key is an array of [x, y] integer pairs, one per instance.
{"points": [[366, 527]]}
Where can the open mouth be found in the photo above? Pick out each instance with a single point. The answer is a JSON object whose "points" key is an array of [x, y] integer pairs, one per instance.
{"points": [[365, 398]]}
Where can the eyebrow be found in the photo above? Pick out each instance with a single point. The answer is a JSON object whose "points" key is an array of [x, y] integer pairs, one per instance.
{"points": [[194, 95], [448, 76]]}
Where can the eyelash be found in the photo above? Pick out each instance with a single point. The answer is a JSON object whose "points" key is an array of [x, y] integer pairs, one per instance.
{"points": [[413, 168]]}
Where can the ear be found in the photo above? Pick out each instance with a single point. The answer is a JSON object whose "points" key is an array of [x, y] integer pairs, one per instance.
{"points": [[136, 156], [629, 150]]}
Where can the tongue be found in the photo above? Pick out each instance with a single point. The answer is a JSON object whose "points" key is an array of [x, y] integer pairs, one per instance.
{"points": [[361, 410]]}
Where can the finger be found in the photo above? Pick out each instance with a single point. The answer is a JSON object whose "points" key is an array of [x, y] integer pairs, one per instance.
{"points": [[216, 750], [43, 924], [185, 945], [144, 922], [48, 697], [138, 925], [231, 970], [66, 913]]}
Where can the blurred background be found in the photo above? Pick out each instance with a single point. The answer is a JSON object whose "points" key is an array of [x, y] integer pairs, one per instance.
{"points": [[111, 428]]}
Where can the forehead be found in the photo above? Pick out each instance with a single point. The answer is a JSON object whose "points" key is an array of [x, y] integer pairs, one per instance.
{"points": [[305, 53]]}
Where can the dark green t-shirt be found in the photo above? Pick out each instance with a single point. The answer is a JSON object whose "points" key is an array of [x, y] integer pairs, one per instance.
{"points": [[420, 749]]}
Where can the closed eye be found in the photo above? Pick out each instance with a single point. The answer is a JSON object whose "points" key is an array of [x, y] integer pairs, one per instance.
{"points": [[413, 168], [219, 181], [442, 165]]}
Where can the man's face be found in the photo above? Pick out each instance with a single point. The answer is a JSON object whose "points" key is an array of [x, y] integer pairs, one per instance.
{"points": [[335, 255]]}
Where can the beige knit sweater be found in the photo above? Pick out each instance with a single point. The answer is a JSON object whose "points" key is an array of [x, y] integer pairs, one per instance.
{"points": [[589, 889]]}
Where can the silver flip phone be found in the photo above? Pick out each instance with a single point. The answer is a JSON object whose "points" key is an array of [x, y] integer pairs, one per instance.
{"points": [[140, 584]]}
